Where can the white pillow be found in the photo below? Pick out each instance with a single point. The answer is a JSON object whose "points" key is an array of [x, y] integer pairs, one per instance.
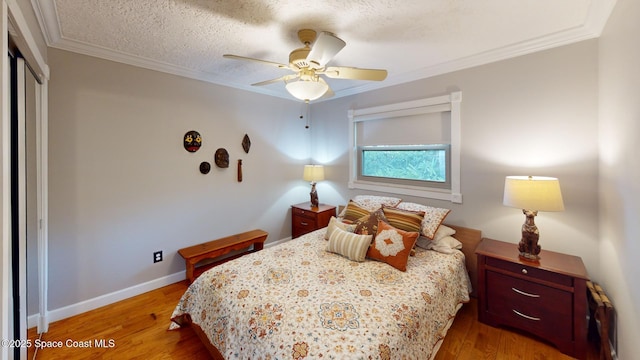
{"points": [[337, 224], [447, 244], [353, 246], [443, 231]]}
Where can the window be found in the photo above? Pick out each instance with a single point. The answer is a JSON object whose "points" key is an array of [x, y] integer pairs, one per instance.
{"points": [[420, 165], [410, 148]]}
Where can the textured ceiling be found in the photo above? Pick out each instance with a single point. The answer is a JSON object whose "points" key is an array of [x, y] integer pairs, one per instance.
{"points": [[410, 38]]}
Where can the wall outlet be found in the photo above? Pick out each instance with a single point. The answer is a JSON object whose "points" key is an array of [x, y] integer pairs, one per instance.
{"points": [[157, 256]]}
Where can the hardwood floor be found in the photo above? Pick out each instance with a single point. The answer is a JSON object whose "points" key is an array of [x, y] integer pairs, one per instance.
{"points": [[136, 328]]}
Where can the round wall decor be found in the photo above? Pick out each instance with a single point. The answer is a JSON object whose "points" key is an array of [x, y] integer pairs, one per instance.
{"points": [[205, 167]]}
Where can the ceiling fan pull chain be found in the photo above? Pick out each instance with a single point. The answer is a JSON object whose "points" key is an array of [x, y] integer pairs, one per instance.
{"points": [[308, 113]]}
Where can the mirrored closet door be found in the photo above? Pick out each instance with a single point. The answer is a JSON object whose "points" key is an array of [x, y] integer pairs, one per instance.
{"points": [[24, 195]]}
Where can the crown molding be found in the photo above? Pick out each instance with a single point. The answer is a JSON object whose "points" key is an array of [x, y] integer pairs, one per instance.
{"points": [[597, 17]]}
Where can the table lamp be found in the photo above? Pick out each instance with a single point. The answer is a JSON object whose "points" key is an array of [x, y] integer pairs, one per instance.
{"points": [[313, 174], [532, 194]]}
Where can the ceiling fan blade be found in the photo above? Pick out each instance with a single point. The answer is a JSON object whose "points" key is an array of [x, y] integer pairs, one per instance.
{"points": [[272, 81], [326, 46], [244, 58], [343, 72]]}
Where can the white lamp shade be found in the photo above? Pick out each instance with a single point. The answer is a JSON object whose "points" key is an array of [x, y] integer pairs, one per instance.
{"points": [[307, 89], [533, 193], [313, 173]]}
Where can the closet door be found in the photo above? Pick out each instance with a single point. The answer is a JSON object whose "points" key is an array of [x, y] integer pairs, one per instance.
{"points": [[24, 215], [31, 189]]}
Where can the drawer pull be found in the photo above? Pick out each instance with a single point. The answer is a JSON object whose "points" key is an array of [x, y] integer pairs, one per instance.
{"points": [[524, 271], [304, 223], [526, 316], [525, 293]]}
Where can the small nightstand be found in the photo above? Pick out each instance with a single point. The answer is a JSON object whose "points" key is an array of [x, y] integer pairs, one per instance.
{"points": [[305, 219], [547, 298]]}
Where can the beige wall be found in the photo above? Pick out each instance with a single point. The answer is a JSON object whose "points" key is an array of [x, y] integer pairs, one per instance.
{"points": [[122, 186], [620, 172], [531, 115]]}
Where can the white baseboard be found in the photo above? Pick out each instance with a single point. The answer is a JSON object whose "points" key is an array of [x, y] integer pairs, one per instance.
{"points": [[91, 304], [107, 299]]}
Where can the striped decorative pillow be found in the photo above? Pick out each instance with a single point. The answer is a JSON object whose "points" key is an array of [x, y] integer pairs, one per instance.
{"points": [[433, 217], [353, 212], [404, 219], [351, 245], [336, 224]]}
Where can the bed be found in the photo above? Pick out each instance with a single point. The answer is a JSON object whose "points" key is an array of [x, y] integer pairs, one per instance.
{"points": [[296, 300]]}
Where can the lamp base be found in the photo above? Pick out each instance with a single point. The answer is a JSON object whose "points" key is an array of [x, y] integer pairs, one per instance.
{"points": [[314, 196], [528, 246]]}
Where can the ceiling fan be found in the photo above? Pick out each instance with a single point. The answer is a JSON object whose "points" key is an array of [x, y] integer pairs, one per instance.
{"points": [[309, 62]]}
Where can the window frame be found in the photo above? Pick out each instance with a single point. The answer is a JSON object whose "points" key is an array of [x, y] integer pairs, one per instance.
{"points": [[447, 103]]}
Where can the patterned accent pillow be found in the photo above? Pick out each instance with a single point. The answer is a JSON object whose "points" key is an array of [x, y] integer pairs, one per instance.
{"points": [[433, 217], [368, 225], [336, 224], [353, 212], [404, 219], [375, 202], [392, 246], [351, 245]]}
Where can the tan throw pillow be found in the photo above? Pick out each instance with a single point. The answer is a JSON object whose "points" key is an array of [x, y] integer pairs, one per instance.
{"points": [[351, 245], [336, 224], [404, 219], [353, 212], [368, 225], [392, 246]]}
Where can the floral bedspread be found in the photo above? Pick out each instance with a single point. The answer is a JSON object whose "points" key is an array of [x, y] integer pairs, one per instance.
{"points": [[298, 301]]}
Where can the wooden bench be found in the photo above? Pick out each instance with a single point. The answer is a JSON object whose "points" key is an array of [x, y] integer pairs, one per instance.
{"points": [[213, 249]]}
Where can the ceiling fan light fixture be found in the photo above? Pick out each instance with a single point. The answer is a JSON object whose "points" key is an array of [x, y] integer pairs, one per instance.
{"points": [[307, 89], [309, 63]]}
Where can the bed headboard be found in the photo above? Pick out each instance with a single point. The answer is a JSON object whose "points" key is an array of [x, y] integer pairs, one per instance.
{"points": [[470, 238]]}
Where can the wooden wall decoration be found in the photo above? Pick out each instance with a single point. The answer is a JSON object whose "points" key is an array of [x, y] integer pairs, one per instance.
{"points": [[205, 167], [192, 141], [222, 158], [246, 143], [239, 170]]}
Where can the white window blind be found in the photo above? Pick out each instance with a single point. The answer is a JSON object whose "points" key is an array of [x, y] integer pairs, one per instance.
{"points": [[419, 129]]}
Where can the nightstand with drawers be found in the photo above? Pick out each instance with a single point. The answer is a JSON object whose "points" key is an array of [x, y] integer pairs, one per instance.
{"points": [[545, 298], [305, 219]]}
